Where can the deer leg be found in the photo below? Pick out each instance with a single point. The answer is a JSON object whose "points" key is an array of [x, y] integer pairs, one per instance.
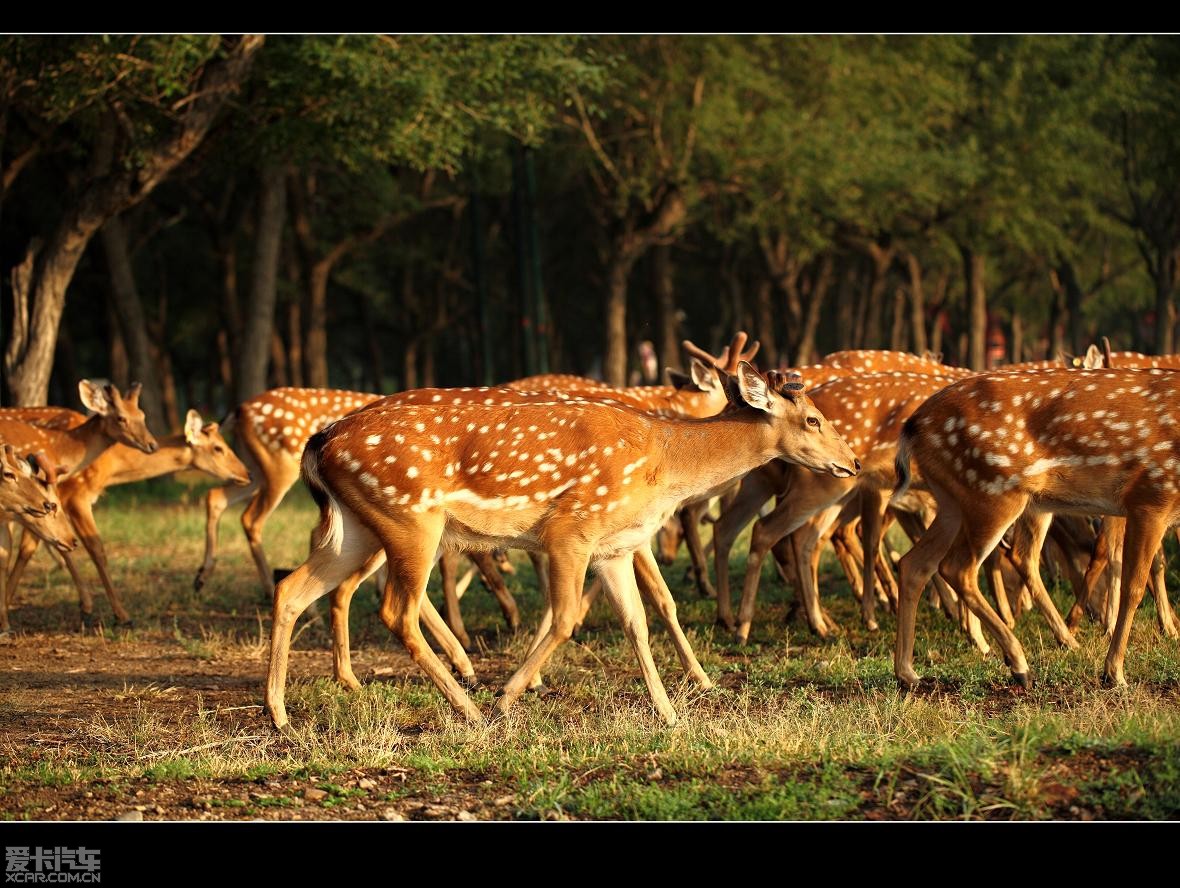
{"points": [[753, 492], [409, 554], [82, 518], [492, 578], [655, 590], [618, 579], [872, 509], [322, 572], [1031, 530], [690, 521], [1159, 588], [1094, 570], [28, 546], [915, 569], [5, 550], [567, 570], [541, 568], [284, 473], [995, 584], [217, 500], [842, 544], [1143, 534], [448, 565], [1114, 589]]}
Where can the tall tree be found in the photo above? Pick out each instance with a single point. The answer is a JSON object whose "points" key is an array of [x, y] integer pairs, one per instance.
{"points": [[166, 93]]}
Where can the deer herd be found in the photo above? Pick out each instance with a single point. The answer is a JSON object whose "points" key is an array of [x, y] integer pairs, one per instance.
{"points": [[1076, 462]]}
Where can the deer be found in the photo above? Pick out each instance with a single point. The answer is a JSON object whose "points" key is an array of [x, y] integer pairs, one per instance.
{"points": [[868, 411], [699, 393], [270, 431], [1033, 443], [608, 475], [117, 419], [454, 642], [71, 447], [200, 446], [28, 494]]}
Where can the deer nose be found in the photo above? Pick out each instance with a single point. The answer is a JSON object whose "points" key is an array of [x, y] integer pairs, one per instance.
{"points": [[856, 462], [50, 507]]}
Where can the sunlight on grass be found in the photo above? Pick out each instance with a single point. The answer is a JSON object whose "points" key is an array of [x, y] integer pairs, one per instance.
{"points": [[798, 728]]}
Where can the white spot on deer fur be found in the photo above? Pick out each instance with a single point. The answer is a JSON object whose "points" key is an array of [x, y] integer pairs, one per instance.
{"points": [[368, 479], [412, 472], [399, 438], [996, 459]]}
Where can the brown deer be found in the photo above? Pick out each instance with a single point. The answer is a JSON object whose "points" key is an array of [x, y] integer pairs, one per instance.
{"points": [[585, 481], [117, 419], [868, 411], [28, 493], [699, 393], [994, 447], [200, 446], [271, 430]]}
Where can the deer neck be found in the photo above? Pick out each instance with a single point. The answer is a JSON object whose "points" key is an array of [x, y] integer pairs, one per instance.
{"points": [[122, 464], [85, 444], [699, 455]]}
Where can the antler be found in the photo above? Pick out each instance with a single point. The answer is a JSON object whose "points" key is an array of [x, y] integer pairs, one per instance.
{"points": [[729, 358], [1106, 361]]}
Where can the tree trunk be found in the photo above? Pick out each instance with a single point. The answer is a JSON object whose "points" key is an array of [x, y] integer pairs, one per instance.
{"points": [[41, 301], [133, 324], [1165, 310], [614, 365], [846, 306], [1017, 338], [259, 321], [1073, 306], [976, 308], [410, 365], [882, 258], [669, 346], [917, 304], [279, 377], [897, 333], [819, 292], [118, 369], [764, 312]]}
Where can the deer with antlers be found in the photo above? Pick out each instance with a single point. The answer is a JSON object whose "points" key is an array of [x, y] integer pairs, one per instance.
{"points": [[1086, 442], [401, 482]]}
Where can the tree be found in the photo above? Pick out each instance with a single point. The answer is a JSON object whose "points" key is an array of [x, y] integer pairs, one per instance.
{"points": [[143, 109]]}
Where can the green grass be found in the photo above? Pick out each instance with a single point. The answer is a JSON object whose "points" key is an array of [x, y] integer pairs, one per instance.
{"points": [[799, 728]]}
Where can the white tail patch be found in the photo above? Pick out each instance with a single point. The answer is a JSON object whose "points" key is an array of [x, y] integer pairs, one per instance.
{"points": [[330, 532]]}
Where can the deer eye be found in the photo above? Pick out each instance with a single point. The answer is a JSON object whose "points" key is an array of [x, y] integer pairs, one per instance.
{"points": [[122, 420], [813, 422], [10, 476], [217, 448]]}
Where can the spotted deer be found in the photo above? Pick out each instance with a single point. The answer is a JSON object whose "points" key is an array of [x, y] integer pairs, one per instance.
{"points": [[28, 494], [117, 419], [200, 446], [271, 430], [403, 481], [993, 448], [454, 642], [868, 411]]}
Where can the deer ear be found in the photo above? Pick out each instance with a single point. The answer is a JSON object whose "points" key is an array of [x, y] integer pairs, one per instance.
{"points": [[134, 392], [95, 397], [702, 375], [753, 388], [677, 379], [1092, 360], [192, 428]]}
